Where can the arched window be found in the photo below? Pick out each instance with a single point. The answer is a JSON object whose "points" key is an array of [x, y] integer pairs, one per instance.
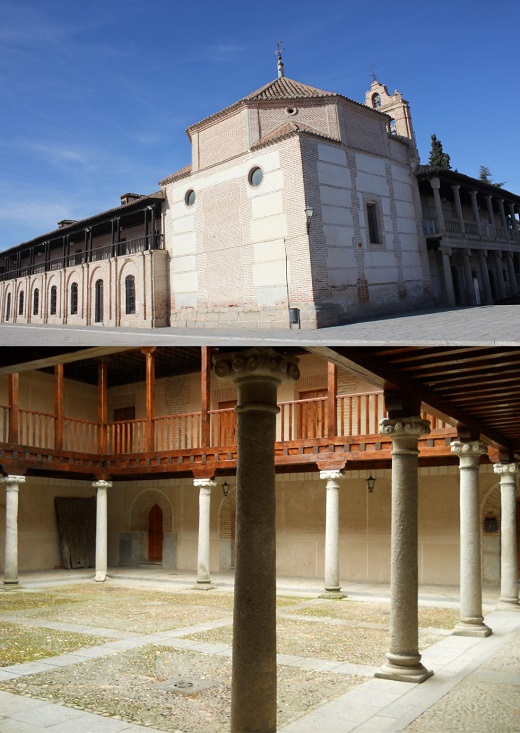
{"points": [[36, 302], [54, 297], [376, 101], [393, 127], [130, 293], [20, 303], [8, 307], [73, 299], [98, 302]]}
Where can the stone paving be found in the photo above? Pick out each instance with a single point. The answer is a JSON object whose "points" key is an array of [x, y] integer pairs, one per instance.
{"points": [[496, 325], [475, 688]]}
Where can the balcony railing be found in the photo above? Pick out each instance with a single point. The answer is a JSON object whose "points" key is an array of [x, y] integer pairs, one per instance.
{"points": [[356, 415], [483, 230], [118, 249]]}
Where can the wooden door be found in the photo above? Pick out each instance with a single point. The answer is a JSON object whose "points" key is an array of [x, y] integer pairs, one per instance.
{"points": [[227, 426], [312, 416], [76, 518], [155, 534]]}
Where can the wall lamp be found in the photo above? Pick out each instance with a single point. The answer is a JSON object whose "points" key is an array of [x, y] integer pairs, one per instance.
{"points": [[309, 211], [370, 484], [225, 488]]}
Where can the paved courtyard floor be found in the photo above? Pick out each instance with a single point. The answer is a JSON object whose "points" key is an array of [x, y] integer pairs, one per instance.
{"points": [[494, 325], [145, 652]]}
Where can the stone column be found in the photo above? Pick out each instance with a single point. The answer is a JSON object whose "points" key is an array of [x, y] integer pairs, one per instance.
{"points": [[403, 660], [502, 213], [468, 277], [514, 220], [12, 484], [488, 297], [458, 207], [257, 373], [513, 285], [203, 577], [448, 278], [332, 586], [508, 533], [491, 215], [101, 487], [499, 274], [436, 184], [471, 620], [474, 208]]}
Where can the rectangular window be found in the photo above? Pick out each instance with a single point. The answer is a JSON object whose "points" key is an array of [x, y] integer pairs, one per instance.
{"points": [[373, 229]]}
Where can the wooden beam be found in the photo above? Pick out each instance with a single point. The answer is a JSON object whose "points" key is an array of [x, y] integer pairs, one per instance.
{"points": [[332, 390], [14, 409], [205, 377], [150, 396], [102, 404]]}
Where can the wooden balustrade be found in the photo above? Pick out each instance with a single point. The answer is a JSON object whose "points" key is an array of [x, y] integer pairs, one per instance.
{"points": [[126, 436], [177, 432], [357, 415], [36, 428], [80, 435]]}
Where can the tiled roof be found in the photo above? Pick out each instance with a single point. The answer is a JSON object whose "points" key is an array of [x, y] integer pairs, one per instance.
{"points": [[288, 129], [285, 88], [182, 173], [279, 90]]}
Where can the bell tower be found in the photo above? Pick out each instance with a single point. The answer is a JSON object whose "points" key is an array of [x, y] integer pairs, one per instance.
{"points": [[394, 105]]}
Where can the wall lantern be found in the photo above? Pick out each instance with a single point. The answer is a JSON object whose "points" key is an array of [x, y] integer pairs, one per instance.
{"points": [[309, 211], [225, 488], [370, 484]]}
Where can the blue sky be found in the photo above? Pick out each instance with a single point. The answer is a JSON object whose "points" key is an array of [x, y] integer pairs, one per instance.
{"points": [[96, 95]]}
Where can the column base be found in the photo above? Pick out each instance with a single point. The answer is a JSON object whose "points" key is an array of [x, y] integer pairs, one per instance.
{"points": [[100, 577], [203, 585], [410, 671], [509, 602], [8, 584], [469, 628], [333, 593]]}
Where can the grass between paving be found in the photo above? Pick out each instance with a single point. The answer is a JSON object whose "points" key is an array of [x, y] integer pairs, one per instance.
{"points": [[19, 644]]}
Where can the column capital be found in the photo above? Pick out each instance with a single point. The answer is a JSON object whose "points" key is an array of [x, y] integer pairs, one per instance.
{"points": [[204, 483], [331, 475], [12, 479], [435, 183], [102, 484], [455, 186], [473, 192], [446, 251], [256, 363], [506, 468], [468, 448], [413, 427]]}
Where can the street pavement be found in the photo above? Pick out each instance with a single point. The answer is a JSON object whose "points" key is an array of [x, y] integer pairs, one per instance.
{"points": [[496, 325]]}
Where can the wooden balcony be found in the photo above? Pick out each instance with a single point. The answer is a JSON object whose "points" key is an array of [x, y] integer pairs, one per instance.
{"points": [[173, 444]]}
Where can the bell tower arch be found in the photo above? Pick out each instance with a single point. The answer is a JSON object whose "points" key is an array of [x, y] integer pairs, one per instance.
{"points": [[394, 105]]}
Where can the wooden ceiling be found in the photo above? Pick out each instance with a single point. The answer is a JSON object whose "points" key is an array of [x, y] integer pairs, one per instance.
{"points": [[477, 387]]}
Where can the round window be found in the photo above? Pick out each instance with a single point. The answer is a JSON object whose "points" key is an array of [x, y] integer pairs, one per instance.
{"points": [[256, 176], [291, 111], [189, 198]]}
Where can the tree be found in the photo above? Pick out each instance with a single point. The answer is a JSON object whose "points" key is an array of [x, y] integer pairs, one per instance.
{"points": [[484, 174], [438, 157]]}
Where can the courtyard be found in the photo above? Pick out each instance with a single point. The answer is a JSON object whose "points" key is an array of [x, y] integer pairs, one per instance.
{"points": [[145, 651]]}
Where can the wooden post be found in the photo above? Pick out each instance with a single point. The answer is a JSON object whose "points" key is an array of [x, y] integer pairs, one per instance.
{"points": [[102, 404], [58, 406], [205, 396], [14, 410], [150, 397], [332, 388]]}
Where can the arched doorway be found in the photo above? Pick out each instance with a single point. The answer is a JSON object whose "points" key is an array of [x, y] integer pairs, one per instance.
{"points": [[155, 534]]}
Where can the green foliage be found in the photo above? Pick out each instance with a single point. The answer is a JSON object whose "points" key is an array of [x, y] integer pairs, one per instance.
{"points": [[484, 174], [438, 157]]}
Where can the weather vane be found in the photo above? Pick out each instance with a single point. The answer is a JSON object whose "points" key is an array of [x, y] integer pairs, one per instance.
{"points": [[278, 53], [373, 72]]}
